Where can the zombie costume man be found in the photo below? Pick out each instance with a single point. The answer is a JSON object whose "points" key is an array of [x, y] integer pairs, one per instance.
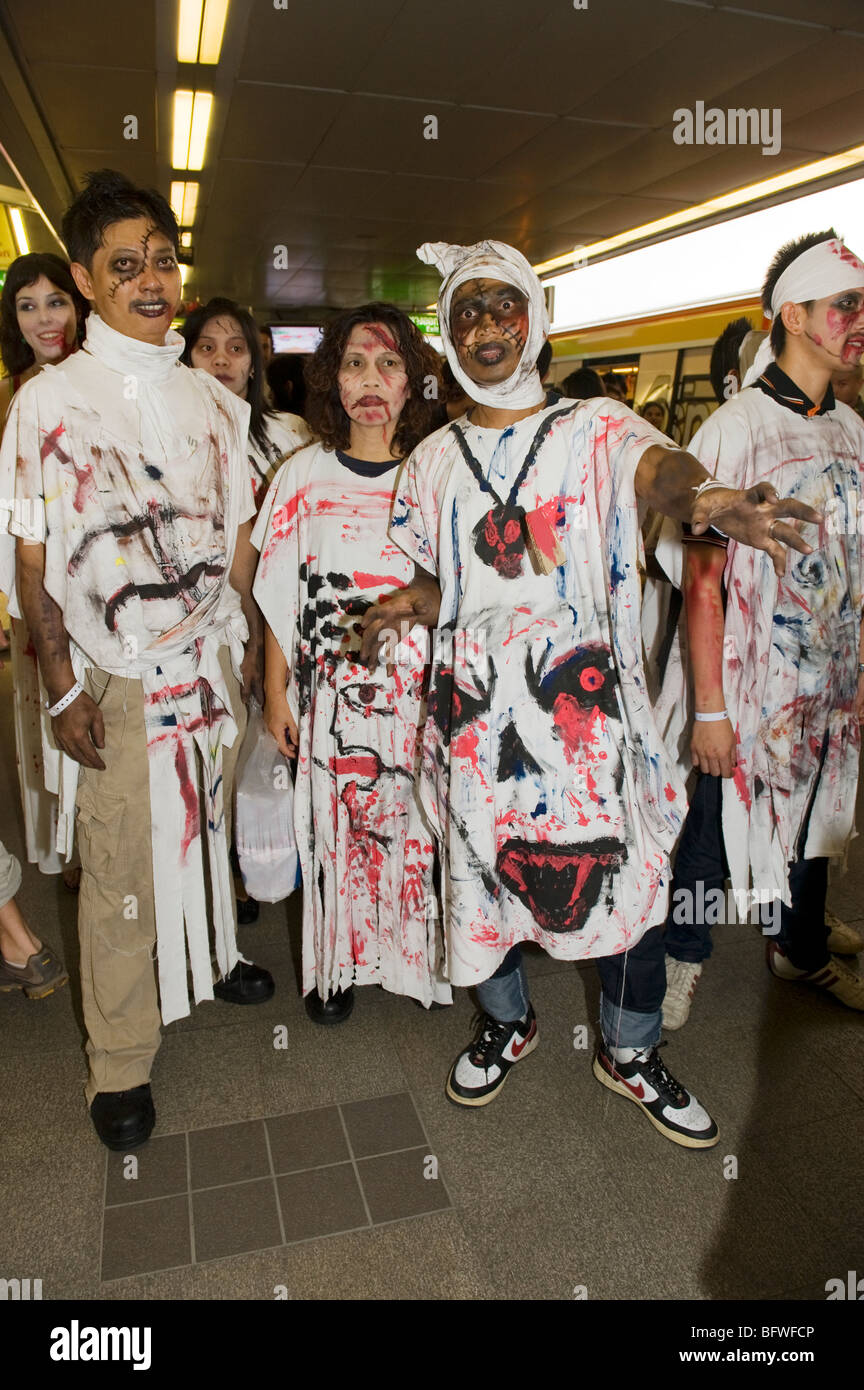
{"points": [[128, 489], [778, 682], [544, 773]]}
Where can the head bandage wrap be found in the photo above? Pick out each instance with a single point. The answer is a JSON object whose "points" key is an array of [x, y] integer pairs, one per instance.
{"points": [[492, 260], [827, 268]]}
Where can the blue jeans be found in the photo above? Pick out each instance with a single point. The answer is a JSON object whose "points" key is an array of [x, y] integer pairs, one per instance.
{"points": [[634, 1022], [700, 867]]}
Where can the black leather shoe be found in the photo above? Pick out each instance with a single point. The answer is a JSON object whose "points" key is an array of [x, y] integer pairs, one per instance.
{"points": [[123, 1119], [247, 911], [337, 1008], [247, 984]]}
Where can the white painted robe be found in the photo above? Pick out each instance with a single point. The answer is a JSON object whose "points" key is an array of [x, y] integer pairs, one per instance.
{"points": [[544, 773], [286, 434], [369, 908], [791, 647], [132, 471]]}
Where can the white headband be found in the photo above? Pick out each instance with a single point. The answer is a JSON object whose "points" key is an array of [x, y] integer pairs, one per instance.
{"points": [[494, 260], [827, 268]]}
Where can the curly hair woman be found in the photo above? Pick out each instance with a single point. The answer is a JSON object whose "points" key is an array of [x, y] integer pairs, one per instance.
{"points": [[365, 849]]}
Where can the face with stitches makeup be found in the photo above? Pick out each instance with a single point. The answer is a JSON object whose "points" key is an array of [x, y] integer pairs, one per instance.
{"points": [[222, 351], [134, 281], [46, 318], [489, 326], [373, 383], [835, 327]]}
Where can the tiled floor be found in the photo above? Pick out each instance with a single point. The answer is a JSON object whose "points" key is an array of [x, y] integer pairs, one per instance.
{"points": [[303, 1168], [233, 1189]]}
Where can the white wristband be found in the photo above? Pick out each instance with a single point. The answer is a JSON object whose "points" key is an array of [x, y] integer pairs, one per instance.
{"points": [[711, 718], [707, 484], [70, 695]]}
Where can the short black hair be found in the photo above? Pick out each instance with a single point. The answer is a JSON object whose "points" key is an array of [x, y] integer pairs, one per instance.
{"points": [[613, 379], [783, 259], [724, 355], [582, 385], [226, 308], [26, 270], [544, 358], [108, 197]]}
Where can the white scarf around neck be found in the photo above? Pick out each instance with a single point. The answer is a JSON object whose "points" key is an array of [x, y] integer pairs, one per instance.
{"points": [[146, 369], [494, 260]]}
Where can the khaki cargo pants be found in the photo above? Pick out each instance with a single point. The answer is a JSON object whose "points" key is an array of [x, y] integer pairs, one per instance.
{"points": [[118, 970]]}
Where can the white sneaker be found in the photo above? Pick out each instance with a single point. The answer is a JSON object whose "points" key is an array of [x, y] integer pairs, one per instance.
{"points": [[639, 1075], [681, 977], [843, 940], [836, 977]]}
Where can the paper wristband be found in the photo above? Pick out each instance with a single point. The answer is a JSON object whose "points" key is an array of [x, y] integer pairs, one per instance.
{"points": [[70, 695], [711, 718]]}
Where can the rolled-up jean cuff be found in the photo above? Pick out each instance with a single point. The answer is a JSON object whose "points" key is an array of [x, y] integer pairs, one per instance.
{"points": [[10, 875], [627, 1028], [505, 998]]}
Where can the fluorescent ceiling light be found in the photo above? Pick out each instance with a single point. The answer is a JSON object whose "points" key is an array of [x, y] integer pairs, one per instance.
{"points": [[793, 178], [712, 265], [18, 228], [183, 103], [212, 30], [191, 120], [200, 30], [198, 135], [189, 30], [184, 201]]}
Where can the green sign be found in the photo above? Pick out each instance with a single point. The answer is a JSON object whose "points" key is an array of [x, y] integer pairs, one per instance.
{"points": [[427, 323]]}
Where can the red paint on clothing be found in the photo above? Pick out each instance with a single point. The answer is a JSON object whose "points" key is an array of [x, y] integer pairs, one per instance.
{"points": [[372, 581], [190, 800], [575, 725]]}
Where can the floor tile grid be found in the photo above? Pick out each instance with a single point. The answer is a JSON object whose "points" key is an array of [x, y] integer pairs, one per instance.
{"points": [[312, 1167], [273, 1176]]}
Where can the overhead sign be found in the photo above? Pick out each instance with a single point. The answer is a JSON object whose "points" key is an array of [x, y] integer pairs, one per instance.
{"points": [[427, 324]]}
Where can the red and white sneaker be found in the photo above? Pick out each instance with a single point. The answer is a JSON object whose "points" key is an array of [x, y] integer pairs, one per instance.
{"points": [[836, 977], [480, 1071], [640, 1075]]}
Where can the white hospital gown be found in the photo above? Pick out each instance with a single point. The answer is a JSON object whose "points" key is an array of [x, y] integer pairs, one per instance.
{"points": [[369, 907], [131, 470], [544, 773], [791, 645]]}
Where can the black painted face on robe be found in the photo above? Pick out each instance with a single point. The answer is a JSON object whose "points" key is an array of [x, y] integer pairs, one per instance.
{"points": [[557, 741], [454, 706], [499, 540], [559, 884]]}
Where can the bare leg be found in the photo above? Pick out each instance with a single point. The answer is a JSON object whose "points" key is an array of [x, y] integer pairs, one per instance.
{"points": [[17, 942]]}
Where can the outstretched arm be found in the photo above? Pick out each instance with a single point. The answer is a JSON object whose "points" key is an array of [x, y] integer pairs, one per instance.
{"points": [[668, 478], [79, 730], [712, 743]]}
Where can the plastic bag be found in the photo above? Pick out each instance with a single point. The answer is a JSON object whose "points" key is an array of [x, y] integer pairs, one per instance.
{"points": [[264, 824]]}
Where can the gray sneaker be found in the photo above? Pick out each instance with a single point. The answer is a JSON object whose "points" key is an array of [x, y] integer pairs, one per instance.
{"points": [[41, 975]]}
